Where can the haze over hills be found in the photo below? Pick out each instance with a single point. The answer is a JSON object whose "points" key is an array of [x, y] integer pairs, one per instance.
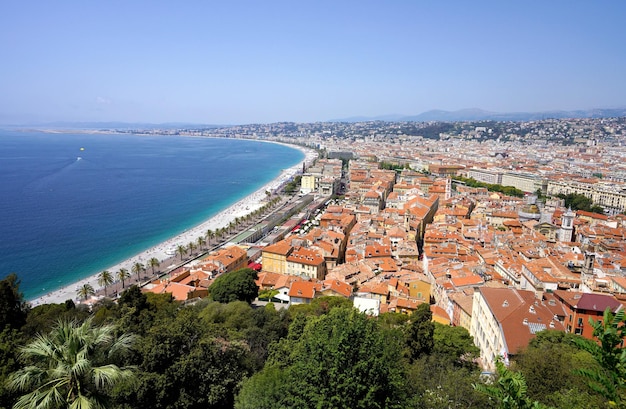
{"points": [[475, 114], [471, 114]]}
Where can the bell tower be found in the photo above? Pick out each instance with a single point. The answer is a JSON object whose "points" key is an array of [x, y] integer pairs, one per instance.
{"points": [[586, 274], [567, 226]]}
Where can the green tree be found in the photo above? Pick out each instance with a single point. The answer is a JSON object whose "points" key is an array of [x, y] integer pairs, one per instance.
{"points": [[181, 250], [191, 247], [435, 381], [138, 268], [338, 360], [209, 235], [238, 285], [565, 389], [85, 291], [13, 308], [63, 368], [509, 389], [201, 242], [43, 318], [454, 344], [123, 275], [105, 279], [320, 306], [419, 334], [154, 263], [10, 340], [610, 380], [133, 297], [580, 202], [185, 363]]}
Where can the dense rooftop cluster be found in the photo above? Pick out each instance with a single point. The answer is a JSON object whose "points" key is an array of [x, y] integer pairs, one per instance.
{"points": [[503, 267]]}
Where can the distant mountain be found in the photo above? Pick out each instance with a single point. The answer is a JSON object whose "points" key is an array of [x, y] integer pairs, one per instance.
{"points": [[475, 114]]}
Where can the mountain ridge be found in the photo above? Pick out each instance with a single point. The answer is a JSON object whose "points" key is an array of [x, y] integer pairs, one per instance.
{"points": [[477, 114]]}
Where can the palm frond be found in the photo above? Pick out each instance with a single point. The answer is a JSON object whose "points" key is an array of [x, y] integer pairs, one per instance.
{"points": [[82, 402], [122, 344]]}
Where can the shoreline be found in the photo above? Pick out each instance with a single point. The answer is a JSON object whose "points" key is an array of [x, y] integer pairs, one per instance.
{"points": [[240, 208]]}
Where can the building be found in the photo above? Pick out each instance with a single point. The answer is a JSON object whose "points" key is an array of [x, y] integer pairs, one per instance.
{"points": [[581, 307], [309, 182], [505, 320], [566, 232], [525, 182], [274, 257], [493, 177], [612, 197], [306, 263]]}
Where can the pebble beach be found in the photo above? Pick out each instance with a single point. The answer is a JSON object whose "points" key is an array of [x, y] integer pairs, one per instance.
{"points": [[164, 250]]}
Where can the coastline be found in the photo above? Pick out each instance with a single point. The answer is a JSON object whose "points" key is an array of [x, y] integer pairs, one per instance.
{"points": [[219, 220]]}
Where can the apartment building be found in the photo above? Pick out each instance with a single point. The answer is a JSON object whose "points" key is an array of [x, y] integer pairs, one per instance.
{"points": [[492, 176], [505, 320], [612, 197]]}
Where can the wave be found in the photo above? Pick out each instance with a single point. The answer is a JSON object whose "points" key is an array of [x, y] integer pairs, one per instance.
{"points": [[59, 176]]}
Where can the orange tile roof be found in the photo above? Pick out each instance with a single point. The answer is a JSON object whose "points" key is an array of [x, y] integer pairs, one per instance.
{"points": [[303, 289], [281, 248], [305, 256], [340, 287], [520, 315]]}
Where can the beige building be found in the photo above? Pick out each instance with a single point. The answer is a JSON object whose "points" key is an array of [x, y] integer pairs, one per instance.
{"points": [[310, 182], [505, 320], [524, 182], [493, 177], [307, 263], [610, 196], [274, 257]]}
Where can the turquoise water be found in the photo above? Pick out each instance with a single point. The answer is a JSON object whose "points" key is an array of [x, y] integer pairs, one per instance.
{"points": [[72, 205]]}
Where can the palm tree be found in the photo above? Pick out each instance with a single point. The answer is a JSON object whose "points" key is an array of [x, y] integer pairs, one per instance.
{"points": [[105, 279], [180, 249], [123, 274], [209, 235], [201, 242], [85, 291], [137, 268], [191, 247], [63, 371], [154, 262]]}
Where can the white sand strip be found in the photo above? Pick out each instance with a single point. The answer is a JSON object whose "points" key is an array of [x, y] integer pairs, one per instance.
{"points": [[222, 219]]}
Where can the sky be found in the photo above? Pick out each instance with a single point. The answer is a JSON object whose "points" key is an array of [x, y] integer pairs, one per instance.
{"points": [[241, 62]]}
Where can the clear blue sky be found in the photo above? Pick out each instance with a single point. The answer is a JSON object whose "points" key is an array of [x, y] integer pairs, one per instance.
{"points": [[234, 62]]}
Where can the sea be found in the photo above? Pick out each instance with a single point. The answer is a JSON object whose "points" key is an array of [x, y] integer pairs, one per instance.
{"points": [[73, 204]]}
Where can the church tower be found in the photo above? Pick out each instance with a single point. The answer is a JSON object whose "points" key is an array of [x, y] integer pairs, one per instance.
{"points": [[567, 226], [586, 274]]}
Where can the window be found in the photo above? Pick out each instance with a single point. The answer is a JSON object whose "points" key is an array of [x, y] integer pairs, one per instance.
{"points": [[580, 322], [578, 331], [570, 318]]}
